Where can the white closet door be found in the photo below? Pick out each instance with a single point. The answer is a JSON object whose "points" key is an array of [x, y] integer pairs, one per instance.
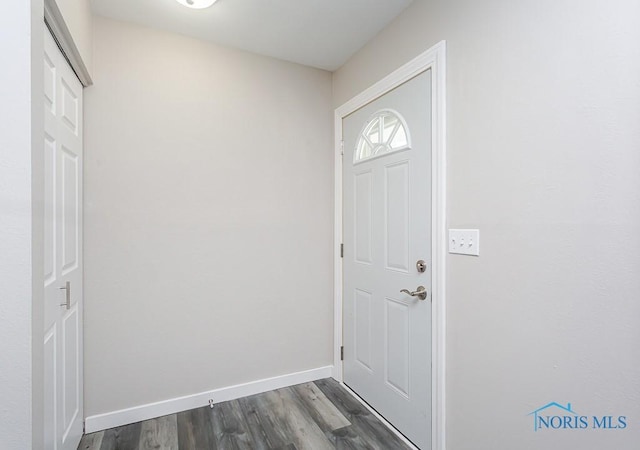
{"points": [[62, 251]]}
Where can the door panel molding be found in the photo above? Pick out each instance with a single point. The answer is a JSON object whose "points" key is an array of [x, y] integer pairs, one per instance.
{"points": [[433, 59]]}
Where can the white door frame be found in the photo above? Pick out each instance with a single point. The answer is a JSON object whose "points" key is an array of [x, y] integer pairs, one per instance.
{"points": [[433, 59]]}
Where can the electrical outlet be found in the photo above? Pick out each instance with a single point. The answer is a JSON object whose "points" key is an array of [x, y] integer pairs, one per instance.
{"points": [[464, 242]]}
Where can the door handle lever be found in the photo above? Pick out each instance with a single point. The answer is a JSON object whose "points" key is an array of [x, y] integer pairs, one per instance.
{"points": [[67, 288], [420, 292]]}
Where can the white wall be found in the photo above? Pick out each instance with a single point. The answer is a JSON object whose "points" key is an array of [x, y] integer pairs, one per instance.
{"points": [[21, 222], [78, 18], [544, 157], [208, 218]]}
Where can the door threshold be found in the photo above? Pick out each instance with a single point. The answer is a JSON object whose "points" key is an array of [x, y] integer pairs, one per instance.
{"points": [[386, 423]]}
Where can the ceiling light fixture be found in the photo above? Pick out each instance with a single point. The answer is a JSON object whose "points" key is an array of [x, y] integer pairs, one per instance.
{"points": [[197, 4]]}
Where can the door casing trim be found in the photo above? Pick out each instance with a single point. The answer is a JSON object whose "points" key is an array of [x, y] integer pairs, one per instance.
{"points": [[433, 59]]}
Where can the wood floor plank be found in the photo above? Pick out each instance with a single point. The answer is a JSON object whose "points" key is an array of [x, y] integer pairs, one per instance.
{"points": [[159, 434], [108, 440], [125, 437], [230, 428], [286, 447], [92, 441], [265, 428], [293, 417], [323, 412], [348, 438], [195, 430], [339, 397], [366, 425]]}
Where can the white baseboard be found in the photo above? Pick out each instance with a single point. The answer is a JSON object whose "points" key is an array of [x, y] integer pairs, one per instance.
{"points": [[171, 406]]}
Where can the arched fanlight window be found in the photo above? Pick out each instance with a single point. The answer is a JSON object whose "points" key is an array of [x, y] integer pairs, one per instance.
{"points": [[386, 132]]}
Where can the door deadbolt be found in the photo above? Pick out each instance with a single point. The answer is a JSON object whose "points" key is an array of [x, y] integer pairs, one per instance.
{"points": [[421, 266]]}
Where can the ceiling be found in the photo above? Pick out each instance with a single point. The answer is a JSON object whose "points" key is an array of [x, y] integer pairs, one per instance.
{"points": [[317, 33]]}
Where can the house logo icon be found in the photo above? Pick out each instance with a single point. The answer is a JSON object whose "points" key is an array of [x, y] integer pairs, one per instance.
{"points": [[555, 416], [553, 412]]}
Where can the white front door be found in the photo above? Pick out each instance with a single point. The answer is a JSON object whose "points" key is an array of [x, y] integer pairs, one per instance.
{"points": [[62, 251], [387, 231]]}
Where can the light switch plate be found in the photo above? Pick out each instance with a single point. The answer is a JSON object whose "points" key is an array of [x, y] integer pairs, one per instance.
{"points": [[464, 242]]}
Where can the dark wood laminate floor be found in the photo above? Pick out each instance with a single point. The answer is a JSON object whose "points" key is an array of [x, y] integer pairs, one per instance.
{"points": [[311, 416]]}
